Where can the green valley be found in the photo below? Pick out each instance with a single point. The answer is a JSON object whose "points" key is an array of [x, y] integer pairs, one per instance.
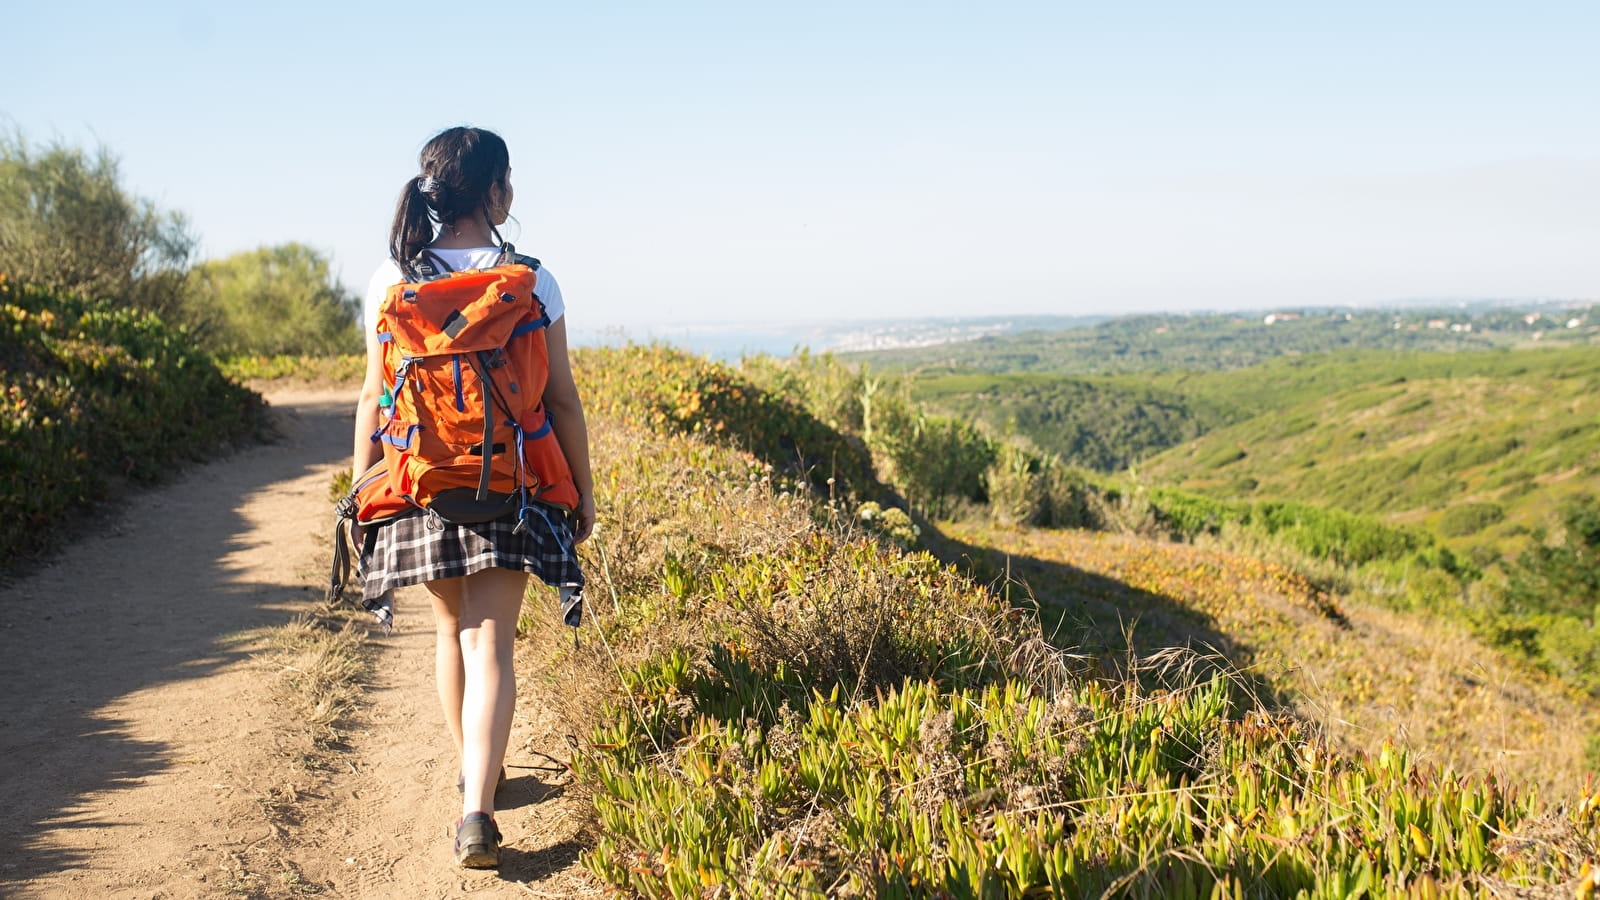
{"points": [[1477, 449]]}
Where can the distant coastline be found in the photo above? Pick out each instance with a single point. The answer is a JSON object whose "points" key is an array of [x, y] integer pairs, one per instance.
{"points": [[728, 341]]}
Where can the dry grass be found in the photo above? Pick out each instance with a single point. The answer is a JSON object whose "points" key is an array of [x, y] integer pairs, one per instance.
{"points": [[849, 626], [320, 664], [1361, 673], [654, 507], [1431, 685]]}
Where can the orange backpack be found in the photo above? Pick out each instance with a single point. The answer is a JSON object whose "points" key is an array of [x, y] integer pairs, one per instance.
{"points": [[462, 421]]}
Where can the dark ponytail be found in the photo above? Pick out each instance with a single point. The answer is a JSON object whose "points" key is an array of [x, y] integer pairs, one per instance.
{"points": [[459, 166], [413, 226]]}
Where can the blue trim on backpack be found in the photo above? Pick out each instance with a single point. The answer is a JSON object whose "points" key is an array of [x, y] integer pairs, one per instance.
{"points": [[534, 325], [542, 430], [400, 375], [461, 401], [401, 443], [385, 337]]}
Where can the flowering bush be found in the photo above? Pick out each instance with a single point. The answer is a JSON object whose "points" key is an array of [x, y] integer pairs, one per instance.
{"points": [[95, 392]]}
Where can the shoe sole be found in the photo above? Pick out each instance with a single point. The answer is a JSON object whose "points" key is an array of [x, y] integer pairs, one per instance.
{"points": [[479, 856], [477, 845]]}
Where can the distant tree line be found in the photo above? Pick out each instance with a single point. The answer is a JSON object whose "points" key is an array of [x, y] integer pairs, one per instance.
{"points": [[1168, 343]]}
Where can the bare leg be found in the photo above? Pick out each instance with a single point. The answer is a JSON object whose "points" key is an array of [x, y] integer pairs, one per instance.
{"points": [[490, 603], [448, 676]]}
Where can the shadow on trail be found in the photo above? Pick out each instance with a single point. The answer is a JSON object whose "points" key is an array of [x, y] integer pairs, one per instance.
{"points": [[158, 598], [524, 791], [1114, 627], [540, 784], [527, 866]]}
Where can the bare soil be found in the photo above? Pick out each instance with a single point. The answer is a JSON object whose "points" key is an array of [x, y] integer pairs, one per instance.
{"points": [[142, 754]]}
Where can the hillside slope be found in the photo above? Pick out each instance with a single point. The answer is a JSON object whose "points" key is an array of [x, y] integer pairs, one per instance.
{"points": [[1364, 674], [1106, 423], [1098, 425], [1279, 383], [778, 695], [1477, 459]]}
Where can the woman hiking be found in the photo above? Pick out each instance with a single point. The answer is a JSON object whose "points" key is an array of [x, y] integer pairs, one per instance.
{"points": [[476, 573]]}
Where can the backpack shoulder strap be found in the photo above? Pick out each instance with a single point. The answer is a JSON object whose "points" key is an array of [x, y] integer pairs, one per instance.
{"points": [[426, 267], [430, 265], [509, 255]]}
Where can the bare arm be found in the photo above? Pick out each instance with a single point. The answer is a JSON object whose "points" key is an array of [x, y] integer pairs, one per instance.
{"points": [[572, 432], [364, 452]]}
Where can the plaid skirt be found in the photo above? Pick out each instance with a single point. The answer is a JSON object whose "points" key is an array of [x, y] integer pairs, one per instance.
{"points": [[421, 547]]}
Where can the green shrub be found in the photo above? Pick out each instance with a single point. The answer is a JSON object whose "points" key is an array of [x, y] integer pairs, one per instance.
{"points": [[1469, 453], [1431, 589], [346, 369], [1242, 485], [892, 524], [668, 388], [840, 397], [1465, 519], [70, 227], [273, 301], [1068, 498], [1415, 404], [1223, 456], [1026, 489], [1333, 534], [1357, 400], [1012, 486], [935, 461], [1188, 515], [96, 392], [1563, 576], [1570, 649]]}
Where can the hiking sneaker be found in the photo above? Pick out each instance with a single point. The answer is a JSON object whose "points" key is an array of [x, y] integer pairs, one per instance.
{"points": [[477, 842]]}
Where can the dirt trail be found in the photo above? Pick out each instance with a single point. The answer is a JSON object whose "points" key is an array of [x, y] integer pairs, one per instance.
{"points": [[142, 756]]}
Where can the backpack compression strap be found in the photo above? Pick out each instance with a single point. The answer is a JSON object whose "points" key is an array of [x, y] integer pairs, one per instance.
{"points": [[487, 447], [344, 516]]}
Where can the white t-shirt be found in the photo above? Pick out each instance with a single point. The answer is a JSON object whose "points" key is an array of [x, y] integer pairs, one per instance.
{"points": [[388, 274]]}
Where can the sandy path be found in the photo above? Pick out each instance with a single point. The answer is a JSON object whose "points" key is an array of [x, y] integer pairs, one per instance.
{"points": [[142, 757]]}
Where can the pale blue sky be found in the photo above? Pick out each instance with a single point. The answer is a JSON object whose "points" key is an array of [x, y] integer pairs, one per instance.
{"points": [[771, 161]]}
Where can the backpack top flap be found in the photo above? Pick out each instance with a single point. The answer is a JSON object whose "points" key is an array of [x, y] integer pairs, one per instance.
{"points": [[461, 312]]}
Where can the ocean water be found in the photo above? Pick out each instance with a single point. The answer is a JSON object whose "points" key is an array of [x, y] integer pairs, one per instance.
{"points": [[724, 343], [729, 342]]}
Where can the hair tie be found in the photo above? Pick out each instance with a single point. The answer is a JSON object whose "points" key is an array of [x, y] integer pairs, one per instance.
{"points": [[426, 183]]}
